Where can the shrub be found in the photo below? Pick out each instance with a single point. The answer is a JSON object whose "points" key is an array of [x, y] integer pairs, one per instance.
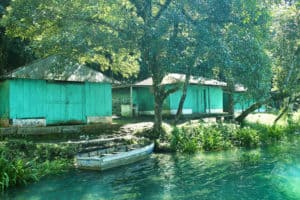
{"points": [[276, 132], [15, 172], [250, 158], [22, 161], [52, 152], [184, 140], [247, 137], [211, 139]]}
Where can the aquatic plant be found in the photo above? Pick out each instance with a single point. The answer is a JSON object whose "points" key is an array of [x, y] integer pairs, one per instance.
{"points": [[191, 138], [22, 162], [184, 140], [246, 137], [250, 158]]}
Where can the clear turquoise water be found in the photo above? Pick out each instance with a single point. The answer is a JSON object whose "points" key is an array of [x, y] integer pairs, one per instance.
{"points": [[223, 175]]}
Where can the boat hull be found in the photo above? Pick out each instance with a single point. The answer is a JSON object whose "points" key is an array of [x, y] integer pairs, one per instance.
{"points": [[116, 160]]}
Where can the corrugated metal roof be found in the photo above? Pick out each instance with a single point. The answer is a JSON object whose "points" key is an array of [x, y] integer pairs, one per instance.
{"points": [[56, 68], [175, 78], [239, 88]]}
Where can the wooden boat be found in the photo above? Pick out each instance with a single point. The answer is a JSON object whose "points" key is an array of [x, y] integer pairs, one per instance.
{"points": [[102, 159]]}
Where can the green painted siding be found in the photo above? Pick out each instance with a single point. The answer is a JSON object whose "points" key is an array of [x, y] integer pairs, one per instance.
{"points": [[175, 98], [27, 98], [200, 99], [121, 96], [197, 96], [65, 102], [144, 99], [58, 102], [215, 99], [4, 99], [98, 99], [241, 102]]}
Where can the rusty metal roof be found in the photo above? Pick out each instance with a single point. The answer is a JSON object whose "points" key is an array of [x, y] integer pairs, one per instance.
{"points": [[56, 68]]}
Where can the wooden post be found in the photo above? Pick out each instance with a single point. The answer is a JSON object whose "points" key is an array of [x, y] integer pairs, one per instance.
{"points": [[131, 101]]}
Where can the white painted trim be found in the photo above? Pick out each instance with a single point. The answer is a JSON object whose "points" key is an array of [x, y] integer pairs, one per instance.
{"points": [[29, 122], [99, 119], [188, 111], [217, 110], [172, 112]]}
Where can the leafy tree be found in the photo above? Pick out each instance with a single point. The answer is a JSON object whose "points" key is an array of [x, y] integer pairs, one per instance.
{"points": [[247, 62], [86, 31], [284, 53], [237, 33], [188, 36], [285, 50], [13, 52], [120, 35]]}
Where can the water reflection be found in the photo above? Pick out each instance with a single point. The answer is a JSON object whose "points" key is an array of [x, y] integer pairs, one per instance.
{"points": [[221, 175]]}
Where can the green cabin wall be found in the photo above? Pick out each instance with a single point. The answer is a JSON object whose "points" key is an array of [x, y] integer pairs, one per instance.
{"points": [[144, 98], [199, 99], [120, 96], [4, 100], [215, 99], [241, 102], [58, 102], [98, 99], [27, 98], [175, 98]]}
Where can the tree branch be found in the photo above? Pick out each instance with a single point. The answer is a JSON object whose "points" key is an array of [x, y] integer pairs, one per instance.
{"points": [[170, 91], [162, 9], [96, 21]]}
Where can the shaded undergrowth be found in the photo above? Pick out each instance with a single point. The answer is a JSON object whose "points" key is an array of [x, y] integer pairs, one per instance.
{"points": [[22, 162]]}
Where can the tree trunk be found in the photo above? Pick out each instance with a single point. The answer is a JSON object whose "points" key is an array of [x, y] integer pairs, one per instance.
{"points": [[253, 107], [158, 101], [249, 110], [283, 111], [230, 90], [182, 99], [157, 128]]}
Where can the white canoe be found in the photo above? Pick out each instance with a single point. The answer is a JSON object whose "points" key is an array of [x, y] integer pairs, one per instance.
{"points": [[113, 157]]}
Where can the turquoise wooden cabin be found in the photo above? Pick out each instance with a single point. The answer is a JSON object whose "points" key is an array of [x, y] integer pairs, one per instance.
{"points": [[203, 96], [47, 93]]}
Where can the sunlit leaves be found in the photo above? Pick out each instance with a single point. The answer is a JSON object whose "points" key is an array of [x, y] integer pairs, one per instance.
{"points": [[285, 47], [76, 28]]}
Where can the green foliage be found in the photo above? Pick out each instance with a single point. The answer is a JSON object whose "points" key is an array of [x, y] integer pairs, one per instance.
{"points": [[22, 161], [86, 32], [191, 138], [53, 152], [276, 132], [53, 167], [293, 127], [247, 137], [285, 49], [250, 158], [184, 140], [14, 170], [158, 36], [211, 139]]}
